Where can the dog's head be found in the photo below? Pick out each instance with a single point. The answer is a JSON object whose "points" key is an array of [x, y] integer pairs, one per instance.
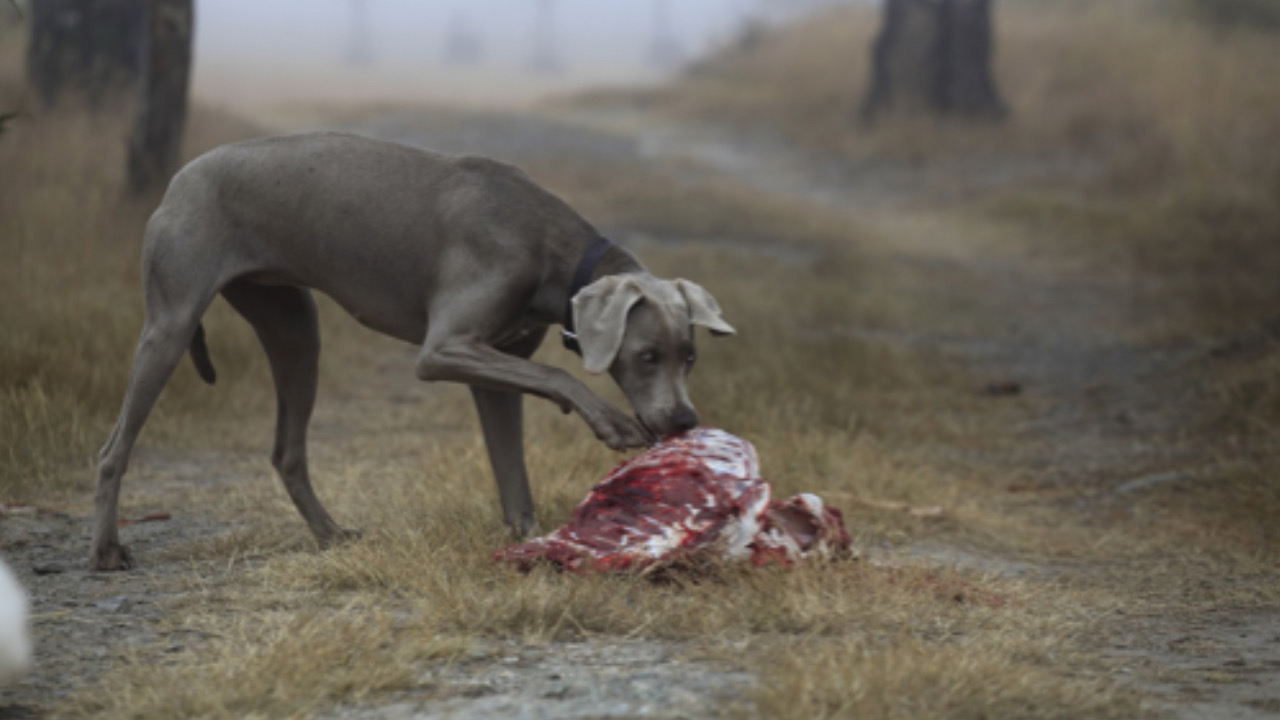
{"points": [[640, 329]]}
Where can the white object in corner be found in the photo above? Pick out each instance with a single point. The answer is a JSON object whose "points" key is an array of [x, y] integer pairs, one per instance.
{"points": [[15, 640]]}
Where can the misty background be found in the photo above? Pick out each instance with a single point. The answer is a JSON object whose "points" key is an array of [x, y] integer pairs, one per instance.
{"points": [[478, 52]]}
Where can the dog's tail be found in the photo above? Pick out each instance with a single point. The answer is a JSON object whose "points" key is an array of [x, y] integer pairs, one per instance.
{"points": [[200, 356]]}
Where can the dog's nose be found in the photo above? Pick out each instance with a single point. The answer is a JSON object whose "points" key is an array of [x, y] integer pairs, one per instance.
{"points": [[683, 419]]}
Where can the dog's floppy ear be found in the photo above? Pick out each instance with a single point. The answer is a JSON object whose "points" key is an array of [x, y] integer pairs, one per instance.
{"points": [[600, 318], [703, 309]]}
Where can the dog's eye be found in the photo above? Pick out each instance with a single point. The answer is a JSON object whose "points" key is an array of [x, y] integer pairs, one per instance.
{"points": [[649, 357], [691, 358]]}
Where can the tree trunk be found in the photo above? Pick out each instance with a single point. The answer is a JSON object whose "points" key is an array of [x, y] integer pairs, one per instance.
{"points": [[84, 48], [933, 56], [968, 88], [155, 145]]}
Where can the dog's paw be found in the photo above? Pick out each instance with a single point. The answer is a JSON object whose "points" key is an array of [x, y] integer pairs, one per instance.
{"points": [[111, 557], [628, 436], [619, 430]]}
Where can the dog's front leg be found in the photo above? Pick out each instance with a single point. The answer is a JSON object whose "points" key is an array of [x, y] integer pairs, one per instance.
{"points": [[470, 361], [502, 420]]}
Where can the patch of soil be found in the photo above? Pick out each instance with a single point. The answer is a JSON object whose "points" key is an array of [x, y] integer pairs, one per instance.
{"points": [[83, 621], [1215, 665], [592, 679]]}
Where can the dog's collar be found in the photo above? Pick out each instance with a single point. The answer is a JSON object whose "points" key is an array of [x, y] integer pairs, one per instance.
{"points": [[581, 278]]}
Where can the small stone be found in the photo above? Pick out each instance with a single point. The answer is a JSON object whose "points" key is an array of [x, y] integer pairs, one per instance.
{"points": [[1002, 388], [47, 568], [114, 604], [558, 692], [478, 690]]}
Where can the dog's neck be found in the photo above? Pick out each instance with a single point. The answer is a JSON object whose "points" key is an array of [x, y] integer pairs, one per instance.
{"points": [[616, 260], [549, 305]]}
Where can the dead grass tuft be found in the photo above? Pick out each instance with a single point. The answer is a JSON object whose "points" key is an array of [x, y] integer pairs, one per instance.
{"points": [[978, 678]]}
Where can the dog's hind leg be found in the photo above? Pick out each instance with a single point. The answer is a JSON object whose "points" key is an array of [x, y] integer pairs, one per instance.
{"points": [[286, 323], [166, 336]]}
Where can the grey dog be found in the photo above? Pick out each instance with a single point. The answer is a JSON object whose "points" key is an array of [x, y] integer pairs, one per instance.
{"points": [[464, 257]]}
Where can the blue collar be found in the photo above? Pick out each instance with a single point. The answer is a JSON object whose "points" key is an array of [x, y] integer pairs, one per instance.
{"points": [[581, 278]]}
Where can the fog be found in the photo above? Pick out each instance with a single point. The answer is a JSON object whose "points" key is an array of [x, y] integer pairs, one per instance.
{"points": [[477, 52]]}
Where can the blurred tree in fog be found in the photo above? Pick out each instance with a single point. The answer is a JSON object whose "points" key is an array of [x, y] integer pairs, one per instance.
{"points": [[85, 49], [119, 54], [155, 145], [934, 56]]}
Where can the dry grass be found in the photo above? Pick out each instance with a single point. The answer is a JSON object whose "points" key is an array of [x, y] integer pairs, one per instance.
{"points": [[982, 677], [853, 635], [274, 664]]}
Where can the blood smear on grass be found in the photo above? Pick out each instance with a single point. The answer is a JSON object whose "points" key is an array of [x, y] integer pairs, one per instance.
{"points": [[696, 498]]}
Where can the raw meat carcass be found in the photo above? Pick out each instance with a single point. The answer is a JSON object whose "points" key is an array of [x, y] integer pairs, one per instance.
{"points": [[694, 499]]}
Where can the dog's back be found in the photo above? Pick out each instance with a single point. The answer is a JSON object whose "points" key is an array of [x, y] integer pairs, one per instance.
{"points": [[379, 227]]}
